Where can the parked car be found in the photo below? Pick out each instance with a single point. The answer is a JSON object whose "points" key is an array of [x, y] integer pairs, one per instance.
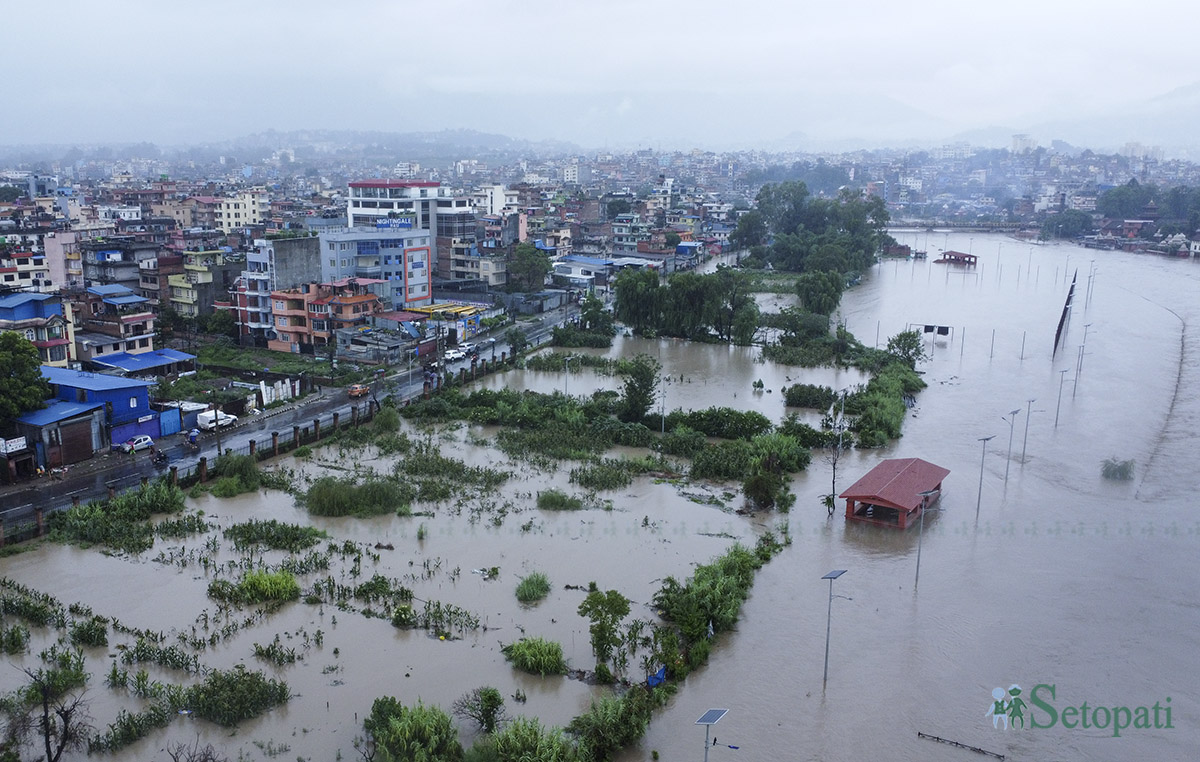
{"points": [[454, 354], [210, 419], [140, 442], [358, 390]]}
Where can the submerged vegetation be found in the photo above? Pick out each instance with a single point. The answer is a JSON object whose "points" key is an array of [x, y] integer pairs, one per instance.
{"points": [[121, 523]]}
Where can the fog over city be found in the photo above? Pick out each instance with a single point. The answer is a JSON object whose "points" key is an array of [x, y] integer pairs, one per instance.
{"points": [[621, 75]]}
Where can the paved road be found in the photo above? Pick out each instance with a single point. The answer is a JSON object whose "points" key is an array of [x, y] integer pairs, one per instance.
{"points": [[92, 478]]}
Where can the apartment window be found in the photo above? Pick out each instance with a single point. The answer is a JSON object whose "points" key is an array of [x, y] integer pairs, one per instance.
{"points": [[29, 334], [332, 262]]}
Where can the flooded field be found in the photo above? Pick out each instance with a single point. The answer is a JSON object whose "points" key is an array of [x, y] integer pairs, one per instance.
{"points": [[1064, 579]]}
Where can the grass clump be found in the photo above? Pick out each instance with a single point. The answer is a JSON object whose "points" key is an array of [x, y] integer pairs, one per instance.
{"points": [[256, 587], [333, 496], [557, 500], [121, 523], [537, 656], [534, 587], [274, 534]]}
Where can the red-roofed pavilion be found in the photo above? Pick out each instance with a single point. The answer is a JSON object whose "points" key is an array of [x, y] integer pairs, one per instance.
{"points": [[891, 493]]}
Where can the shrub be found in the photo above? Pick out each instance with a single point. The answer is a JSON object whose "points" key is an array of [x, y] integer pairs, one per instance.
{"points": [[809, 395], [526, 739], [724, 462], [557, 500], [534, 587], [536, 656], [1117, 469], [227, 697], [682, 440], [397, 732]]}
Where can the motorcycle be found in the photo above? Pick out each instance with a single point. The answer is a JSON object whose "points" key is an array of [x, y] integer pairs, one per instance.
{"points": [[159, 458]]}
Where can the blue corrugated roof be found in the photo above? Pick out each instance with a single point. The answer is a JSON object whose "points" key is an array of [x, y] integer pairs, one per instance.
{"points": [[597, 261], [125, 299], [106, 289], [91, 381], [57, 411], [13, 300], [142, 361]]}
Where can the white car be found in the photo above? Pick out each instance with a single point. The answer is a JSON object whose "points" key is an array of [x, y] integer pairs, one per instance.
{"points": [[210, 419], [140, 442], [454, 354]]}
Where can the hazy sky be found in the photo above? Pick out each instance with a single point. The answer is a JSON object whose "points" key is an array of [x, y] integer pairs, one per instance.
{"points": [[670, 74]]}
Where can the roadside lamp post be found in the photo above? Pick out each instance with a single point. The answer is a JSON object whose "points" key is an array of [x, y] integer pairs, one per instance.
{"points": [[708, 719], [982, 458], [831, 576], [1025, 441], [567, 370], [921, 530], [1011, 418], [1062, 376]]}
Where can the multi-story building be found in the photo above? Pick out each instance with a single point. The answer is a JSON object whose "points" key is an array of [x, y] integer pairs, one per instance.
{"points": [[115, 260], [372, 200], [240, 211], [110, 318], [154, 283], [24, 269], [272, 265], [39, 318], [64, 254], [306, 317], [208, 276], [402, 257], [628, 231]]}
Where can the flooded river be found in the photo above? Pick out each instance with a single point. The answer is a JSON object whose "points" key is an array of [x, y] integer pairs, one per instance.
{"points": [[1065, 578]]}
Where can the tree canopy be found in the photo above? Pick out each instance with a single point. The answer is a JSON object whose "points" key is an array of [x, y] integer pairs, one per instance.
{"points": [[22, 387], [841, 234], [527, 268]]}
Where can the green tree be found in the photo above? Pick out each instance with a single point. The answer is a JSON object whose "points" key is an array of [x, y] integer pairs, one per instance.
{"points": [[517, 340], [9, 194], [593, 316], [528, 268], [484, 706], [820, 292], [618, 206], [641, 382], [672, 239], [1125, 201], [221, 323], [1069, 223], [605, 610], [751, 230], [783, 206], [908, 347], [22, 387], [638, 299]]}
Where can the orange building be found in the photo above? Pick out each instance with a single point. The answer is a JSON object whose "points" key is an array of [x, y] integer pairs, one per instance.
{"points": [[305, 317]]}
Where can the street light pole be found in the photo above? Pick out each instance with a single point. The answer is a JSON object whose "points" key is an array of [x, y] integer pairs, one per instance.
{"points": [[921, 532], [1062, 376], [1011, 418], [982, 458], [831, 576], [1025, 441]]}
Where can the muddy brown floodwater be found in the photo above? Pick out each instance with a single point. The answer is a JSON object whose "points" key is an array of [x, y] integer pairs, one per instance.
{"points": [[1064, 579]]}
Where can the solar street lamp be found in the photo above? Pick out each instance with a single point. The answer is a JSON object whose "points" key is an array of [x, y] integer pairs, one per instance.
{"points": [[1011, 418], [708, 719], [831, 576]]}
